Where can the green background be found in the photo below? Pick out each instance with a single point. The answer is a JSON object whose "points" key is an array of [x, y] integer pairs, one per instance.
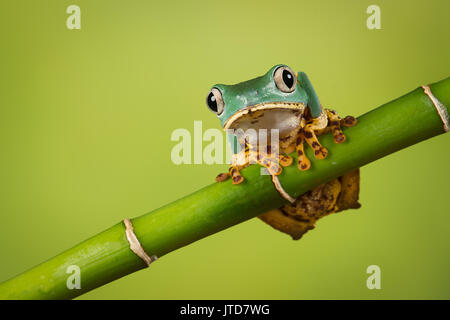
{"points": [[86, 117]]}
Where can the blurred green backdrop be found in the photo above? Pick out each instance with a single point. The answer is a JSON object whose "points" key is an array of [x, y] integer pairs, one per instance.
{"points": [[86, 117]]}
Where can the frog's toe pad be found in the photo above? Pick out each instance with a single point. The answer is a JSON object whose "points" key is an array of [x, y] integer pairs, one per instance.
{"points": [[222, 177], [338, 135], [237, 179], [285, 161], [275, 170], [321, 153], [304, 166], [304, 163], [349, 121]]}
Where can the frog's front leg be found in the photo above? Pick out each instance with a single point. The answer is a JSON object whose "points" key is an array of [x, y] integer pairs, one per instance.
{"points": [[328, 121], [238, 162], [303, 161], [273, 166], [234, 173], [320, 152], [268, 161], [251, 155], [335, 122], [271, 158]]}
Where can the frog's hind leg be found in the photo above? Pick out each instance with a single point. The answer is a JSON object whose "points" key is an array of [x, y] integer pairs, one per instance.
{"points": [[280, 220], [297, 218], [301, 216]]}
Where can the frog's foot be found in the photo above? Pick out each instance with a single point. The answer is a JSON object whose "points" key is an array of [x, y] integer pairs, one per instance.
{"points": [[267, 160], [349, 121], [328, 121], [270, 163], [274, 166], [285, 160], [234, 173], [222, 176], [320, 152], [303, 162], [309, 133], [335, 122]]}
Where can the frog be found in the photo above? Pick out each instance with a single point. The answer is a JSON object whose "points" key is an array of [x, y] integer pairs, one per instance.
{"points": [[285, 107]]}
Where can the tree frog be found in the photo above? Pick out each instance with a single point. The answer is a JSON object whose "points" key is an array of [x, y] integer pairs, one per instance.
{"points": [[284, 101]]}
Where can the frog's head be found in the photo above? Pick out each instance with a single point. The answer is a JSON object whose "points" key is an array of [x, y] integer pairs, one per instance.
{"points": [[275, 100]]}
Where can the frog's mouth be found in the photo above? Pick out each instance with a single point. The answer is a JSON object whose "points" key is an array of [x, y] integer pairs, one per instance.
{"points": [[284, 116]]}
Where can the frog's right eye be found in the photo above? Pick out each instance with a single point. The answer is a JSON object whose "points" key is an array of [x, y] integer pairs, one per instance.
{"points": [[214, 101], [285, 79]]}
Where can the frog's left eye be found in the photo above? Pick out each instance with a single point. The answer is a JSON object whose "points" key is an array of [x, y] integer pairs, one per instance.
{"points": [[214, 101], [285, 79]]}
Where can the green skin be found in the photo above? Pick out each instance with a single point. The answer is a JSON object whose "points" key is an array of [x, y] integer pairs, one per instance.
{"points": [[264, 90]]}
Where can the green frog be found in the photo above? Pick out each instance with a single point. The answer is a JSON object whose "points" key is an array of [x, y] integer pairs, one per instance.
{"points": [[283, 105]]}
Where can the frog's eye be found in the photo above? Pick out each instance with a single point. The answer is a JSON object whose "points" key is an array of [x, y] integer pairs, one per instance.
{"points": [[214, 101], [285, 79]]}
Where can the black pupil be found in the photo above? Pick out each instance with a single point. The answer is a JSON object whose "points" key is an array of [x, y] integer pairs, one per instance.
{"points": [[212, 103], [288, 78]]}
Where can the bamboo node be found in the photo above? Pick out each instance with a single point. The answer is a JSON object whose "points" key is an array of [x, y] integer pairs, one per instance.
{"points": [[135, 245], [440, 108]]}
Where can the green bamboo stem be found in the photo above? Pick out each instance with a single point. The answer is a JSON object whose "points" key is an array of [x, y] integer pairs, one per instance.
{"points": [[107, 256]]}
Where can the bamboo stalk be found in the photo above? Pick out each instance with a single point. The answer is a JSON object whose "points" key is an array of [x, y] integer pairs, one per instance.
{"points": [[107, 256]]}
